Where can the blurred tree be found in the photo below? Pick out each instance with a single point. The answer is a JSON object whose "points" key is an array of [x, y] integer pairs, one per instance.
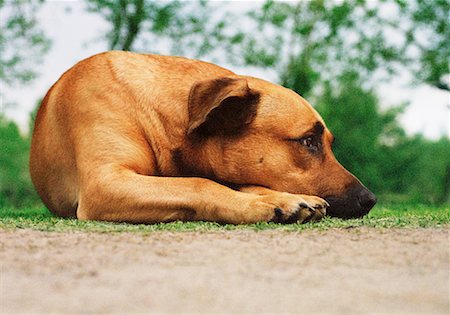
{"points": [[22, 45], [421, 168], [176, 27], [22, 42], [126, 18], [311, 42], [428, 37], [15, 184], [308, 42], [361, 130], [432, 179]]}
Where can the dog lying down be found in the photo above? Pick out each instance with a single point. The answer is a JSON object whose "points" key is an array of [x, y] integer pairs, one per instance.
{"points": [[137, 138]]}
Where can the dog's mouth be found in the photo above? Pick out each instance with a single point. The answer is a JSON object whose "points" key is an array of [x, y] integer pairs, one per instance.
{"points": [[355, 204]]}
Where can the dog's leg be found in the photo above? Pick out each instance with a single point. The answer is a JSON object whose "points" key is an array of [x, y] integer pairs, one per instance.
{"points": [[121, 195], [313, 207]]}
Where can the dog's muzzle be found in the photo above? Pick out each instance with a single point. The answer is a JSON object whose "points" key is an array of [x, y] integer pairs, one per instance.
{"points": [[355, 203]]}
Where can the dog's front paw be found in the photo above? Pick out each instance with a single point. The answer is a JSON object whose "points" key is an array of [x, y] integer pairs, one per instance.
{"points": [[290, 208], [318, 204]]}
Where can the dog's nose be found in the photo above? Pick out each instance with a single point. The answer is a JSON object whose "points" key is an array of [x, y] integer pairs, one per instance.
{"points": [[355, 203], [367, 200]]}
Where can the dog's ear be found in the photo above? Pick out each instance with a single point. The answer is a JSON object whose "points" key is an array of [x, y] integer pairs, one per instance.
{"points": [[221, 106]]}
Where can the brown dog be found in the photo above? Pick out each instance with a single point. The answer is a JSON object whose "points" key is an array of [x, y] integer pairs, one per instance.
{"points": [[146, 138]]}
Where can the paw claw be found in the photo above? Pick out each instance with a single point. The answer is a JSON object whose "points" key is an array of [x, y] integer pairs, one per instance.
{"points": [[278, 216], [305, 205], [293, 217], [278, 212]]}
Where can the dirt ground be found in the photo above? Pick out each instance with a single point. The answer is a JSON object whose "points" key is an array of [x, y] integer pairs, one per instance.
{"points": [[359, 271]]}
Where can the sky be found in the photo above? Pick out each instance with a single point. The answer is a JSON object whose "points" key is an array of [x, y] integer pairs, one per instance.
{"points": [[76, 34]]}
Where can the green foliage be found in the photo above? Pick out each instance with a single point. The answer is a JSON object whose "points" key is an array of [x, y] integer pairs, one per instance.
{"points": [[15, 185], [308, 42], [393, 216], [125, 16], [353, 117], [430, 38], [157, 26], [22, 42], [424, 169], [22, 45]]}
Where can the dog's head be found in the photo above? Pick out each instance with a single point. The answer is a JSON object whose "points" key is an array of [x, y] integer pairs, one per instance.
{"points": [[247, 131]]}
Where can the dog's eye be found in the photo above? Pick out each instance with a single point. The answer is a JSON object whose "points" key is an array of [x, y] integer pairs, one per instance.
{"points": [[312, 142], [308, 142]]}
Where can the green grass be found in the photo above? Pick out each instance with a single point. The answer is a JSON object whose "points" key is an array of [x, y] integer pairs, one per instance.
{"points": [[392, 216]]}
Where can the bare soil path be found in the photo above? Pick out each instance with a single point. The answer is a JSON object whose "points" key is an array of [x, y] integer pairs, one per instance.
{"points": [[357, 271]]}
